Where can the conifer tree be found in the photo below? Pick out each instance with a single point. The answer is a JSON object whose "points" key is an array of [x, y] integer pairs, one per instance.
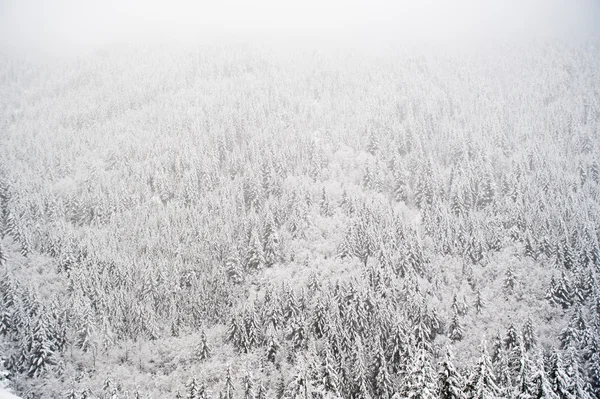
{"points": [[3, 255], [255, 257], [193, 389], [271, 244], [331, 379], [479, 303], [229, 387], [482, 383], [510, 279], [272, 348], [524, 388], [451, 383], [373, 145], [420, 381], [381, 382], [456, 331], [561, 292], [324, 205], [360, 381], [558, 376], [529, 339], [202, 350], [542, 387], [248, 384]]}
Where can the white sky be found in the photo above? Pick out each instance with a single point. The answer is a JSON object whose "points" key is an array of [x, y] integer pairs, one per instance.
{"points": [[78, 24]]}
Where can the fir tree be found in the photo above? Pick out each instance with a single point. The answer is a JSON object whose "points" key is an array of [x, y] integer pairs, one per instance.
{"points": [[558, 377], [271, 247], [331, 379], [482, 383], [524, 389], [202, 350], [272, 348], [360, 382], [255, 258], [561, 292], [510, 279], [229, 387], [529, 339], [456, 331], [479, 303], [451, 383], [541, 385], [324, 205], [193, 389], [382, 384], [248, 384], [420, 382]]}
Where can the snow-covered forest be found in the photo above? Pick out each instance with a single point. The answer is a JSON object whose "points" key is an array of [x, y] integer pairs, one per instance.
{"points": [[236, 221]]}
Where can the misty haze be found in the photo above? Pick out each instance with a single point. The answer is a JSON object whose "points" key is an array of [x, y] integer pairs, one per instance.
{"points": [[314, 199]]}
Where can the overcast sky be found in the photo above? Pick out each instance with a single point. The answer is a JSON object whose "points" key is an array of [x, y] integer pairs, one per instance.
{"points": [[81, 24]]}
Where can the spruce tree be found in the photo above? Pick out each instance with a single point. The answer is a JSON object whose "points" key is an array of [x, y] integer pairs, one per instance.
{"points": [[529, 339], [248, 384], [420, 381], [271, 248], [455, 329], [202, 350], [381, 381], [360, 381], [229, 387], [482, 383], [451, 383], [524, 388], [541, 384], [255, 257]]}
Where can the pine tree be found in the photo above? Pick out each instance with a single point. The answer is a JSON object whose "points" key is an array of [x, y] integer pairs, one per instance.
{"points": [[271, 248], [320, 320], [193, 389], [451, 383], [324, 205], [524, 389], [331, 379], [580, 386], [261, 392], [558, 377], [255, 257], [561, 292], [482, 384], [529, 339], [542, 386], [373, 145], [456, 331], [420, 382], [479, 303], [360, 382], [510, 279], [381, 382], [3, 256], [574, 334], [202, 350], [272, 348], [248, 384], [511, 341], [229, 387]]}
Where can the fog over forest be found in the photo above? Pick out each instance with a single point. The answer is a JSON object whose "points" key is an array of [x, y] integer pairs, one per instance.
{"points": [[63, 25]]}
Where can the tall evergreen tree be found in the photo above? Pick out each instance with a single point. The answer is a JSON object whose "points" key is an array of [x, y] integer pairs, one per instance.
{"points": [[451, 384], [482, 383], [202, 350], [381, 381]]}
